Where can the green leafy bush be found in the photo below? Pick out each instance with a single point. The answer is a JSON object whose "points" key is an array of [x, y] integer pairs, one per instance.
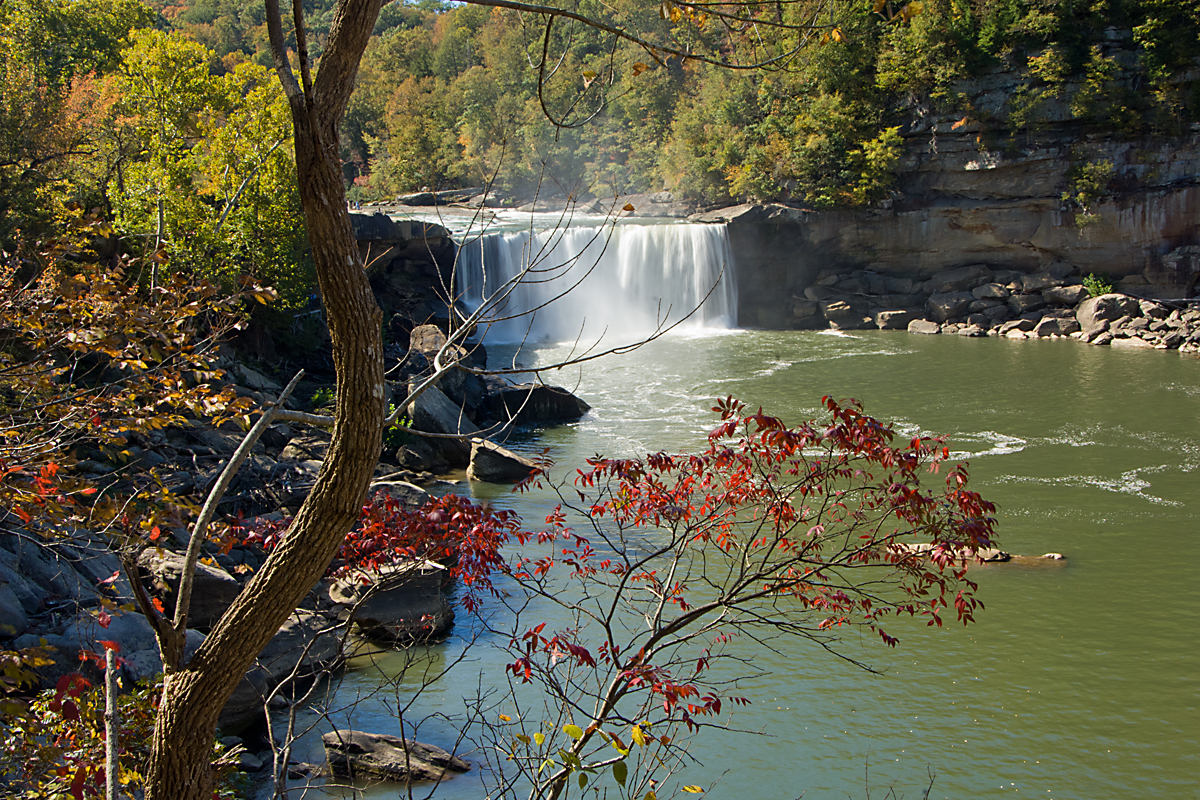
{"points": [[1097, 285]]}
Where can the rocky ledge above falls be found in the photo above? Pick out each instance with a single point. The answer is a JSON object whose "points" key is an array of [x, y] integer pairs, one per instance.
{"points": [[960, 204]]}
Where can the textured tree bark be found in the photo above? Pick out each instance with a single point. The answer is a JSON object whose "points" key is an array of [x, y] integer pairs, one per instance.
{"points": [[194, 693]]}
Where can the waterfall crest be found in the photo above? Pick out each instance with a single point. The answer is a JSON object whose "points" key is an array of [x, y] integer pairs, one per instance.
{"points": [[617, 283]]}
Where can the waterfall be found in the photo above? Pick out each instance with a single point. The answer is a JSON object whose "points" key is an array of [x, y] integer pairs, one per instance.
{"points": [[615, 283]]}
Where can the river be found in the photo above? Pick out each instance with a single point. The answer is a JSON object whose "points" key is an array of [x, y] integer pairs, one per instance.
{"points": [[1079, 680]]}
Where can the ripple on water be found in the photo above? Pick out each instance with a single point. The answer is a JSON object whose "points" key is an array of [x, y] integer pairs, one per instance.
{"points": [[1130, 483]]}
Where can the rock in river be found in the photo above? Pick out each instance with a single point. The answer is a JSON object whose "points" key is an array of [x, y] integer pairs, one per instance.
{"points": [[359, 754]]}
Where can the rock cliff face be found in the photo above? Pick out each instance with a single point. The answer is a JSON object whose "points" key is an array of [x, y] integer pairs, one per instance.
{"points": [[973, 191], [407, 263], [960, 206]]}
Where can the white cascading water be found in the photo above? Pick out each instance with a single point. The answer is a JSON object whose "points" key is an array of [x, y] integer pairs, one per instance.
{"points": [[617, 284]]}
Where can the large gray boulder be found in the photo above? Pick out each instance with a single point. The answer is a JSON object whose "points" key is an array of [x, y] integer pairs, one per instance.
{"points": [[1023, 325], [49, 571], [401, 602], [434, 412], [1065, 295], [213, 589], [311, 445], [406, 493], [530, 404], [84, 632], [358, 754], [419, 455], [306, 644], [1093, 312], [492, 463], [1039, 282], [896, 320], [990, 291], [12, 613], [948, 305], [836, 310], [1024, 303], [29, 593], [924, 326], [424, 343], [958, 280], [1054, 326]]}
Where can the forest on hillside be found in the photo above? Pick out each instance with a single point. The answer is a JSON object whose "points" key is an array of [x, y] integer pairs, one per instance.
{"points": [[169, 119], [447, 97]]}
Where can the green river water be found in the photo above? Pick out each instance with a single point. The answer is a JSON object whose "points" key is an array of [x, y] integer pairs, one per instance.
{"points": [[1080, 680]]}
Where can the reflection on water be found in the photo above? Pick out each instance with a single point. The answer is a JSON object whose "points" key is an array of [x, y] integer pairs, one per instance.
{"points": [[1078, 682]]}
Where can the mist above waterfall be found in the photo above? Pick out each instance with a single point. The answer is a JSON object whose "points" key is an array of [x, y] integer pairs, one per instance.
{"points": [[615, 284]]}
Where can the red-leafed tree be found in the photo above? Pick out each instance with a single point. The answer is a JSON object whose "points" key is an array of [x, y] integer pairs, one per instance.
{"points": [[739, 34], [774, 531]]}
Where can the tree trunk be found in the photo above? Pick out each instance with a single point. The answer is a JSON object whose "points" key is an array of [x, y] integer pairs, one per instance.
{"points": [[195, 693]]}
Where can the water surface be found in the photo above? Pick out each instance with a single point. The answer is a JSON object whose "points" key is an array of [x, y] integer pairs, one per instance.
{"points": [[1078, 681]]}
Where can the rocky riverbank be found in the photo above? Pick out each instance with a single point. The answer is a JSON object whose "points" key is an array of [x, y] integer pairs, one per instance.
{"points": [[979, 301], [68, 593]]}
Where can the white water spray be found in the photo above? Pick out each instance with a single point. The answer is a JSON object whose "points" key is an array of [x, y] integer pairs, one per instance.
{"points": [[612, 283]]}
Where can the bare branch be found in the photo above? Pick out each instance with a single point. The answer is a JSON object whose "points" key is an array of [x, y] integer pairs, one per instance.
{"points": [[187, 578]]}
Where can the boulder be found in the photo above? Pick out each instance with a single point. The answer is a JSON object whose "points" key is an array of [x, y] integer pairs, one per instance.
{"points": [[1055, 326], [990, 291], [358, 754], [948, 305], [139, 649], [1024, 303], [13, 620], [406, 493], [835, 309], [401, 602], [894, 320], [924, 326], [492, 463], [1039, 282], [1172, 340], [308, 446], [1023, 325], [1065, 295], [419, 456], [424, 343], [899, 285], [222, 443], [29, 593], [255, 380], [958, 280], [803, 309], [434, 412], [306, 644], [972, 330], [50, 574], [1152, 310], [534, 404], [1131, 343], [1105, 308], [851, 285], [213, 589], [997, 314]]}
